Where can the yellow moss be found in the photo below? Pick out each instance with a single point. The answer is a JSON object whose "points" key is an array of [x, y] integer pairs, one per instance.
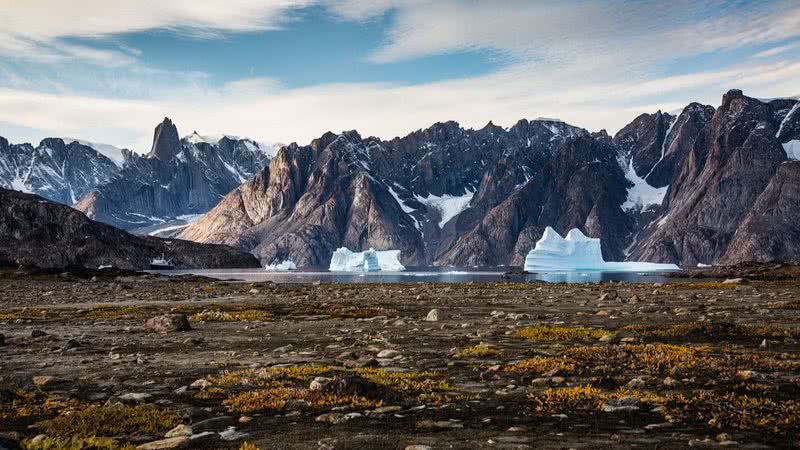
{"points": [[115, 312], [110, 421], [653, 358], [76, 443], [721, 330], [443, 398], [549, 333], [276, 399], [542, 364], [410, 382], [729, 410], [248, 445], [23, 313], [787, 305], [216, 315], [21, 403], [660, 359], [482, 350], [568, 399]]}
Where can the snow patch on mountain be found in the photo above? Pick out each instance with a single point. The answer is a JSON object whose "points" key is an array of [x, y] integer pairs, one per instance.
{"points": [[448, 206], [788, 117], [112, 152], [792, 149], [641, 195]]}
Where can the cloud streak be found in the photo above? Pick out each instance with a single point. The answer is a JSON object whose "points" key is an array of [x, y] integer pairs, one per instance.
{"points": [[594, 64]]}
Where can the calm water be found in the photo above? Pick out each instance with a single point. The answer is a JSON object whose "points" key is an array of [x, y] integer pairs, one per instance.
{"points": [[422, 275]]}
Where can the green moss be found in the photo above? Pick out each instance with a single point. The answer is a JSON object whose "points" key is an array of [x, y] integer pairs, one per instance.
{"points": [[551, 333], [76, 443], [110, 421]]}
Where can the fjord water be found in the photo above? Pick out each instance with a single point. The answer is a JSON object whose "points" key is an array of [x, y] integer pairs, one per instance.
{"points": [[423, 275]]}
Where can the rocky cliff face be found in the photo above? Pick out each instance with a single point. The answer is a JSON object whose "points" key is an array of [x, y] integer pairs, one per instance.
{"points": [[57, 170], [178, 178], [705, 185], [665, 188], [720, 184], [35, 231], [582, 187]]}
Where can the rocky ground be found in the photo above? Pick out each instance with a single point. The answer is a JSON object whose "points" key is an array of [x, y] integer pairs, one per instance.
{"points": [[127, 360]]}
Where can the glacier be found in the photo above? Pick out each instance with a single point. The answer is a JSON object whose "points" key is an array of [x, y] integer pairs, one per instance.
{"points": [[578, 252], [345, 260], [283, 266]]}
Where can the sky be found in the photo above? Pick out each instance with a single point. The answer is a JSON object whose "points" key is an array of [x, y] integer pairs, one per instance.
{"points": [[289, 70]]}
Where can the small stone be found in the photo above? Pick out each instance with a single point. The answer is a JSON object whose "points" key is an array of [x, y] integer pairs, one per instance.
{"points": [[42, 380], [180, 430], [201, 383], [168, 323], [626, 404], [284, 349], [609, 338], [230, 434], [763, 344], [388, 354], [669, 381], [748, 374], [519, 429], [331, 418], [633, 300], [387, 409], [433, 316], [438, 425], [637, 382], [135, 397], [164, 444], [735, 281], [723, 437], [37, 333], [418, 447], [254, 291], [245, 419], [214, 423], [319, 383]]}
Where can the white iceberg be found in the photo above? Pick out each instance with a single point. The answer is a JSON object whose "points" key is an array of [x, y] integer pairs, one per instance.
{"points": [[345, 260], [283, 266], [578, 252]]}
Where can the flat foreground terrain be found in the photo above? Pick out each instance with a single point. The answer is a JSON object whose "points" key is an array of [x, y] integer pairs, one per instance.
{"points": [[371, 366]]}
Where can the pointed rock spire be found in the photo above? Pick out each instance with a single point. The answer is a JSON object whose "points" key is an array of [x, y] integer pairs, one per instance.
{"points": [[166, 143]]}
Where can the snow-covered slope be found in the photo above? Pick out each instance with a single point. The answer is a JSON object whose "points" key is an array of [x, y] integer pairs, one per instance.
{"points": [[56, 170]]}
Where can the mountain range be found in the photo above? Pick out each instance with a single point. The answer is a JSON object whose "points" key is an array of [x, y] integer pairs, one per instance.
{"points": [[705, 185]]}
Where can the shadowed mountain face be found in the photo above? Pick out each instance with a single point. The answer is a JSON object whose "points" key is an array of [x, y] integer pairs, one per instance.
{"points": [[688, 188], [38, 232], [666, 188], [57, 170], [725, 184]]}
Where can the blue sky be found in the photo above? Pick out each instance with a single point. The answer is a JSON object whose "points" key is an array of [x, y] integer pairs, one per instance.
{"points": [[289, 70]]}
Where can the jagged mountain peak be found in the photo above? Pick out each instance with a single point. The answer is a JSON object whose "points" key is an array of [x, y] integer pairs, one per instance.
{"points": [[166, 143]]}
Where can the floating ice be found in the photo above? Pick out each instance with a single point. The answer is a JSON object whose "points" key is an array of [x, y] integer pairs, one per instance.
{"points": [[578, 252], [344, 260], [283, 266]]}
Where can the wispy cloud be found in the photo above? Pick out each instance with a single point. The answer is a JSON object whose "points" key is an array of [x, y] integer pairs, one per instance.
{"points": [[594, 64]]}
